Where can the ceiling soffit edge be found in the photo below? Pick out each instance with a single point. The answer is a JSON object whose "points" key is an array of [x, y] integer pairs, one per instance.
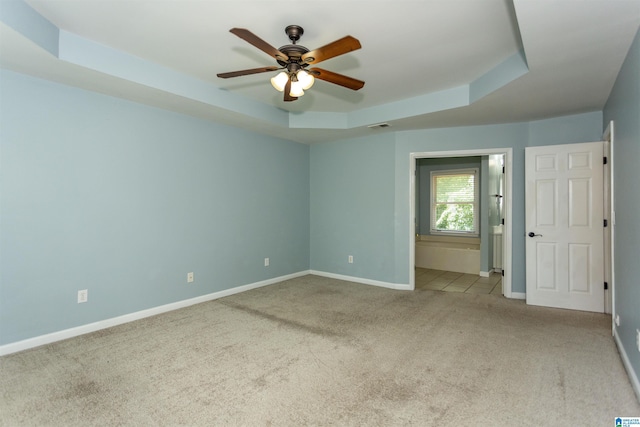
{"points": [[83, 52]]}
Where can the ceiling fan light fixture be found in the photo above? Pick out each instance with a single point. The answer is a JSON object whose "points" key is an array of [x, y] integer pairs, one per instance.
{"points": [[305, 79], [293, 58], [280, 81], [296, 89]]}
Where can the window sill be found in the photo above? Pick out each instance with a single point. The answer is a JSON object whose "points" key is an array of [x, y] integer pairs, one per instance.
{"points": [[453, 234]]}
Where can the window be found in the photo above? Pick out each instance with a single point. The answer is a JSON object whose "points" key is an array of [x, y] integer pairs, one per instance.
{"points": [[454, 201]]}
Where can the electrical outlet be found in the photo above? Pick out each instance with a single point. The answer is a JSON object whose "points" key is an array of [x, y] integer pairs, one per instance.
{"points": [[190, 277], [83, 296], [350, 259], [638, 338], [266, 262], [617, 320]]}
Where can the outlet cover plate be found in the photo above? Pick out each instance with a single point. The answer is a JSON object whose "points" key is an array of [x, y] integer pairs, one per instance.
{"points": [[83, 296], [190, 277]]}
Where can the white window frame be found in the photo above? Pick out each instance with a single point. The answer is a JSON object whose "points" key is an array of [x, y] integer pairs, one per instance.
{"points": [[476, 202]]}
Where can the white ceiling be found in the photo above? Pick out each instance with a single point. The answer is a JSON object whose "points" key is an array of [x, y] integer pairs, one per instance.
{"points": [[410, 49]]}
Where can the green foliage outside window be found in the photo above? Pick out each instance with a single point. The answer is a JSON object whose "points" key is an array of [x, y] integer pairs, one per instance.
{"points": [[454, 202], [454, 217]]}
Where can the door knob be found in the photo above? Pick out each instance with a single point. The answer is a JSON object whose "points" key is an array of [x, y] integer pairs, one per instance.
{"points": [[532, 234]]}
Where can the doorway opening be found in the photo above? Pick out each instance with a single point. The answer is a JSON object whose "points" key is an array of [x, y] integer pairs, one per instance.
{"points": [[504, 202]]}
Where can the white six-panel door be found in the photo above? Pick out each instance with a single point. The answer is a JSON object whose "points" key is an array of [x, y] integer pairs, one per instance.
{"points": [[564, 220]]}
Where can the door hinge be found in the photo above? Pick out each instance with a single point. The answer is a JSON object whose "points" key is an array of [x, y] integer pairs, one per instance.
{"points": [[503, 169], [604, 160], [606, 223], [502, 273], [606, 286], [502, 221]]}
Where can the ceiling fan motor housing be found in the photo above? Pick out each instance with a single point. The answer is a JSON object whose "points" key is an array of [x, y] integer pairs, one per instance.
{"points": [[294, 52]]}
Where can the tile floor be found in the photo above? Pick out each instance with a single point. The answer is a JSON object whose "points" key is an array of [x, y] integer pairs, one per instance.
{"points": [[449, 281]]}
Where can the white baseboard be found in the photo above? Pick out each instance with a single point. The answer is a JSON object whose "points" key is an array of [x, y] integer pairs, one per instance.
{"points": [[518, 295], [114, 321], [633, 376], [485, 273], [397, 286], [107, 323]]}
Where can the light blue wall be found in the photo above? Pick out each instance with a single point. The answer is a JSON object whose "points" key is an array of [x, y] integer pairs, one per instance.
{"points": [[462, 138], [423, 174], [561, 130], [623, 107], [351, 191], [566, 130], [424, 169], [352, 207], [122, 199]]}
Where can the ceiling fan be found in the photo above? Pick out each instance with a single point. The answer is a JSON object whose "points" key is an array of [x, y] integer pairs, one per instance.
{"points": [[294, 60]]}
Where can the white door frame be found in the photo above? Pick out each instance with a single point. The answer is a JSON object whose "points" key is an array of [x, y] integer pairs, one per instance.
{"points": [[609, 214], [507, 210]]}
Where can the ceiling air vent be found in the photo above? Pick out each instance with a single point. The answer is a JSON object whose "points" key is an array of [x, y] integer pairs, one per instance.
{"points": [[379, 126]]}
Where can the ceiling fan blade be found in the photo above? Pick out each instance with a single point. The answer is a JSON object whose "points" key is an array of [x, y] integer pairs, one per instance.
{"points": [[339, 79], [251, 38], [287, 89], [336, 48], [247, 72]]}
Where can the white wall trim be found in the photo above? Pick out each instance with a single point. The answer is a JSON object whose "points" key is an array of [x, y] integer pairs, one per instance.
{"points": [[397, 286], [518, 295], [609, 138], [114, 321], [633, 376], [485, 274]]}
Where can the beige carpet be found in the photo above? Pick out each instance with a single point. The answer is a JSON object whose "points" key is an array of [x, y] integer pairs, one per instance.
{"points": [[317, 351]]}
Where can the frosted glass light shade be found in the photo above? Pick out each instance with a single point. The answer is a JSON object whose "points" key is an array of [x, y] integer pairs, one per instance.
{"points": [[280, 81], [296, 89], [305, 79]]}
